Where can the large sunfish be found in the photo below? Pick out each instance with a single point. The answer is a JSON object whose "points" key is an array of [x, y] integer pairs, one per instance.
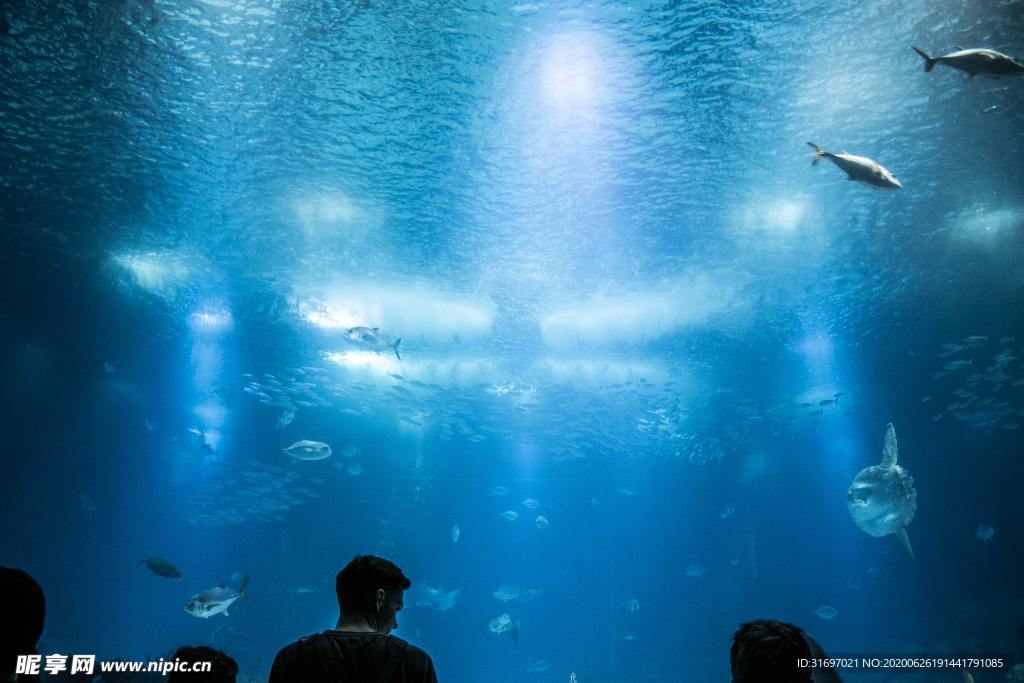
{"points": [[882, 499]]}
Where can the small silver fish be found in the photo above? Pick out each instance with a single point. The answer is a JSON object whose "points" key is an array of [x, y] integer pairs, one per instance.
{"points": [[286, 418], [510, 515], [308, 450]]}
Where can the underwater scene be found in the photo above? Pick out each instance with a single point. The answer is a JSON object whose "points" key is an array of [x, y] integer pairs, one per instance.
{"points": [[614, 325]]}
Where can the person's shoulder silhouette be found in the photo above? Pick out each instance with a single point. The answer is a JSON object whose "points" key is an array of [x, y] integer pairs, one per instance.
{"points": [[23, 617]]}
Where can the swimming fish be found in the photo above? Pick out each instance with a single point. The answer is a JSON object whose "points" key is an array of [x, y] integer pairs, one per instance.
{"points": [[530, 504], [630, 605], [425, 596], [957, 364], [456, 533], [370, 339], [506, 593], [541, 522], [503, 624], [86, 502], [500, 491], [861, 169], [216, 600], [308, 450], [974, 62], [826, 612], [985, 532], [286, 418], [510, 515], [882, 499], [695, 571], [539, 666], [161, 567]]}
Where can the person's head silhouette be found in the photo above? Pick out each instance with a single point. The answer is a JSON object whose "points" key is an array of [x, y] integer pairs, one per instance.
{"points": [[768, 651]]}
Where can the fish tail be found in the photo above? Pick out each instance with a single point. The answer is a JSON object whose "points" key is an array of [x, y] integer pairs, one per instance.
{"points": [[819, 154], [244, 591], [929, 62], [395, 347]]}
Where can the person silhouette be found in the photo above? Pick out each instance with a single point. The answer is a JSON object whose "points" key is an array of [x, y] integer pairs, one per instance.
{"points": [[24, 614], [768, 651], [360, 648]]}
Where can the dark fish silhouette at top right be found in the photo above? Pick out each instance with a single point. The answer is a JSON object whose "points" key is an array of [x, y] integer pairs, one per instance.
{"points": [[975, 62]]}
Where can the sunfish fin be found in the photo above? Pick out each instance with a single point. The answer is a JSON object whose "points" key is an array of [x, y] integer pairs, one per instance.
{"points": [[968, 678], [905, 540], [819, 153], [889, 451], [929, 62], [225, 612], [395, 347]]}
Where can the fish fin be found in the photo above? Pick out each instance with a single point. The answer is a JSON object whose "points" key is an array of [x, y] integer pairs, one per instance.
{"points": [[376, 329], [890, 451], [968, 678], [819, 153], [929, 62], [395, 347], [225, 612], [244, 591], [905, 540]]}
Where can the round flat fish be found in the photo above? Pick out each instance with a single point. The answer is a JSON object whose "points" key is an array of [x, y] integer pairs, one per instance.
{"points": [[882, 499], [308, 450]]}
